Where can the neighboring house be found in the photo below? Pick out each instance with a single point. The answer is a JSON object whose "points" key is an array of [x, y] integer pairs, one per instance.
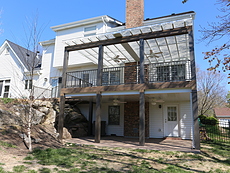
{"points": [[138, 77], [222, 113], [223, 116], [15, 72]]}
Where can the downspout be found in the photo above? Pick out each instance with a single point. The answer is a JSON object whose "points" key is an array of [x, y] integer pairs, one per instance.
{"points": [[105, 29]]}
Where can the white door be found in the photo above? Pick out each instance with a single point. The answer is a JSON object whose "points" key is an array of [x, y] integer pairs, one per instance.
{"points": [[171, 121]]}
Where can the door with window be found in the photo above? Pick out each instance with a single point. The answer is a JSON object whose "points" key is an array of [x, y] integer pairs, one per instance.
{"points": [[171, 121]]}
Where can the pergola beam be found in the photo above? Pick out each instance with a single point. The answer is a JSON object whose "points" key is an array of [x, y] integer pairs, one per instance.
{"points": [[157, 34]]}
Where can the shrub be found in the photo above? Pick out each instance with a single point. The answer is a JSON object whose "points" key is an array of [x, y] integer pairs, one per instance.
{"points": [[211, 120], [208, 120]]}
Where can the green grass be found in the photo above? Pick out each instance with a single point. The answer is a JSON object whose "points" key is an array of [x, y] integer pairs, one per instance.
{"points": [[79, 159], [6, 144], [7, 100], [174, 169], [19, 168]]}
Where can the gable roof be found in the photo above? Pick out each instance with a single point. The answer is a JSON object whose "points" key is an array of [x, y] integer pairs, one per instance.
{"points": [[26, 56], [222, 112]]}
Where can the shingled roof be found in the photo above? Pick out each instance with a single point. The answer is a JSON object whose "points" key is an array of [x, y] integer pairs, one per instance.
{"points": [[27, 57], [222, 112]]}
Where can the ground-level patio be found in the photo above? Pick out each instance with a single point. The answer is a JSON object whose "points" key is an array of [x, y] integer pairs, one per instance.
{"points": [[169, 144]]}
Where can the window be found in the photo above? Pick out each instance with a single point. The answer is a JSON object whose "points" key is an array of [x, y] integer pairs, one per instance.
{"points": [[54, 91], [85, 81], [28, 84], [111, 78], [1, 85], [4, 88], [6, 91], [172, 114], [178, 72], [171, 73], [163, 73], [91, 30], [114, 115]]}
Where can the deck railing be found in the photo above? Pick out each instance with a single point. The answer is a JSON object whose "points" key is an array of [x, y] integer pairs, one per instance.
{"points": [[129, 74]]}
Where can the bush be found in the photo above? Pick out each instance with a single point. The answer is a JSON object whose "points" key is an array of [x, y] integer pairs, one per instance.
{"points": [[208, 120]]}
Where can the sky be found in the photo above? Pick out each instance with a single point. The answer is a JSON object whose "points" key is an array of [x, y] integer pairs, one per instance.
{"points": [[15, 15]]}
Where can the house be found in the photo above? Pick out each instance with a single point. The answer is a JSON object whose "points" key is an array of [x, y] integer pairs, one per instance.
{"points": [[138, 78], [15, 74], [223, 116]]}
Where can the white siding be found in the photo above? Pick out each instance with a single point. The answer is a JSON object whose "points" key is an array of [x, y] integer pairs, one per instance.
{"points": [[156, 128], [156, 120], [47, 70], [185, 120], [67, 36], [12, 69]]}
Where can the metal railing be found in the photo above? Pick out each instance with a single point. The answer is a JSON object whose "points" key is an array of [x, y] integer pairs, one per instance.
{"points": [[219, 132], [129, 74]]}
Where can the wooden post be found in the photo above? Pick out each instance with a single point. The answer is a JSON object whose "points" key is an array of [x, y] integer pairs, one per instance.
{"points": [[61, 117], [196, 132], [142, 65], [142, 119], [100, 66], [62, 97], [98, 118], [65, 66], [90, 117]]}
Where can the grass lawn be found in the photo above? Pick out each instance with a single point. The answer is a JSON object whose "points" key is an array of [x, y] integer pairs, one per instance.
{"points": [[214, 157]]}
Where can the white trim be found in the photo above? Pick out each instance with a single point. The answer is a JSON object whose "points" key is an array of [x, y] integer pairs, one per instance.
{"points": [[84, 22], [165, 111], [47, 42], [120, 93], [170, 18], [80, 95], [168, 91], [5, 45]]}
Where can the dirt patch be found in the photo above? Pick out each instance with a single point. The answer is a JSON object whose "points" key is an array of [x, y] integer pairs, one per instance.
{"points": [[14, 155]]}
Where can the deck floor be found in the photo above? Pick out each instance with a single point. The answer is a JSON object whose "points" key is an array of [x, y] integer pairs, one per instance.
{"points": [[151, 144]]}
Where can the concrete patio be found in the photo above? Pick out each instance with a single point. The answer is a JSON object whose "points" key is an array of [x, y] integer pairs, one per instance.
{"points": [[123, 142]]}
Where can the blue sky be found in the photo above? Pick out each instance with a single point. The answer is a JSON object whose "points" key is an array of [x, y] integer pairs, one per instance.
{"points": [[55, 12]]}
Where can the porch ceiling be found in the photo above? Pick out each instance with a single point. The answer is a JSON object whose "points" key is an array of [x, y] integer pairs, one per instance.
{"points": [[157, 98], [173, 47]]}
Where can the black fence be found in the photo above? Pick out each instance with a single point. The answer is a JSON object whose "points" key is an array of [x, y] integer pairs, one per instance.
{"points": [[219, 132]]}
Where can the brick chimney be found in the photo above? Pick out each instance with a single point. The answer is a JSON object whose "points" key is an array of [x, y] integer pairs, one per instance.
{"points": [[134, 13]]}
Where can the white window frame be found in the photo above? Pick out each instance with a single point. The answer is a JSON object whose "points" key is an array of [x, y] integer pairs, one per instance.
{"points": [[90, 32], [55, 87], [5, 83]]}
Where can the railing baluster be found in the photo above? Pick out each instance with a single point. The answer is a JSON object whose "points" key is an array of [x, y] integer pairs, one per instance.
{"points": [[157, 72]]}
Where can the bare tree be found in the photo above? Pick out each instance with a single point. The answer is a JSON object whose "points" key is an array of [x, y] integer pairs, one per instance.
{"points": [[32, 61], [211, 91], [219, 57]]}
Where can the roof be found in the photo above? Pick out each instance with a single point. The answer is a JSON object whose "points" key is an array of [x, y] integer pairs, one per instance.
{"points": [[222, 112], [47, 42], [86, 22], [25, 56]]}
